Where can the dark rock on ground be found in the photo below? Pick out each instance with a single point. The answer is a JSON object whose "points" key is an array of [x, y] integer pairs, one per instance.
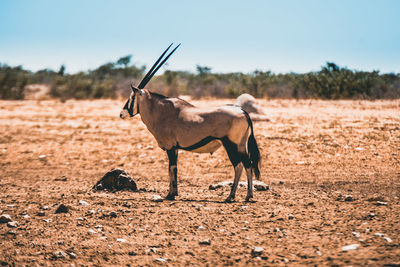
{"points": [[62, 209], [116, 180]]}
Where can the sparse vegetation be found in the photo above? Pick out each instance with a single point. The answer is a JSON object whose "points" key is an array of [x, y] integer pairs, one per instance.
{"points": [[112, 79]]}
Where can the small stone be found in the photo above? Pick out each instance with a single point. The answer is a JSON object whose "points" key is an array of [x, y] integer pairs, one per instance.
{"points": [[205, 242], [26, 216], [276, 230], [80, 219], [72, 255], [42, 157], [381, 203], [356, 234], [156, 198], [83, 203], [290, 216], [62, 209], [132, 253], [351, 247], [41, 214], [257, 251], [98, 226], [60, 255], [113, 214], [92, 211], [151, 250], [47, 220], [161, 260], [348, 198], [260, 186], [12, 224], [121, 240], [379, 235], [91, 231], [5, 218], [45, 207], [388, 239]]}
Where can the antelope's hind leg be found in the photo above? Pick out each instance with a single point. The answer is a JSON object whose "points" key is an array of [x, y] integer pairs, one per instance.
{"points": [[249, 172], [173, 174], [235, 158]]}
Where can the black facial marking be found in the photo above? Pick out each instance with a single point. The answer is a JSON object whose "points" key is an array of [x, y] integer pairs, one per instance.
{"points": [[129, 107]]}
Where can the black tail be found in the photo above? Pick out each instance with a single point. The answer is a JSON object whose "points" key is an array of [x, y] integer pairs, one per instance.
{"points": [[254, 152]]}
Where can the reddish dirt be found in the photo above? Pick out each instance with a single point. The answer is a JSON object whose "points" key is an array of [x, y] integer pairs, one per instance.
{"points": [[328, 163]]}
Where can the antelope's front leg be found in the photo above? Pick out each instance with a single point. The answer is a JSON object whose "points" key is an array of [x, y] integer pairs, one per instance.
{"points": [[173, 174]]}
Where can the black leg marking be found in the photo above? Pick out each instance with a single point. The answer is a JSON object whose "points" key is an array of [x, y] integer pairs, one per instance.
{"points": [[173, 174]]}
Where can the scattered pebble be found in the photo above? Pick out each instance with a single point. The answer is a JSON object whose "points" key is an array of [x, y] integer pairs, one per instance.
{"points": [[12, 224], [60, 255], [151, 250], [41, 214], [5, 218], [356, 234], [132, 253], [62, 209], [388, 239], [381, 203], [290, 216], [348, 198], [257, 251], [161, 260], [379, 235], [121, 240], [83, 203], [156, 198], [351, 247], [44, 207], [91, 231], [205, 242], [72, 255], [113, 214]]}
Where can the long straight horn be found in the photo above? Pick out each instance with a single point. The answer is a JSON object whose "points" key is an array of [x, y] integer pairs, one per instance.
{"points": [[141, 85], [149, 75]]}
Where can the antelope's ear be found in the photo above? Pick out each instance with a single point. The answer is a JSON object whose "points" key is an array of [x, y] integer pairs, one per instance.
{"points": [[134, 89]]}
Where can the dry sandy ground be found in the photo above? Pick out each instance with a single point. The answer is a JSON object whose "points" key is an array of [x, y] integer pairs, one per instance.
{"points": [[333, 168]]}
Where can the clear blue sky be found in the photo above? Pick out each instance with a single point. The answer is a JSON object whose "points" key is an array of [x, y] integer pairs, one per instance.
{"points": [[226, 35]]}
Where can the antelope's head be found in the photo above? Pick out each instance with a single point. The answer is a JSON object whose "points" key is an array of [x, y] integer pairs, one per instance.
{"points": [[131, 107]]}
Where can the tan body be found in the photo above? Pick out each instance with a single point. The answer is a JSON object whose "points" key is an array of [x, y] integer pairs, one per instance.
{"points": [[178, 123]]}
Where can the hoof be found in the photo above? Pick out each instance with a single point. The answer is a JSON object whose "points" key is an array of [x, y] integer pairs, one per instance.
{"points": [[250, 199], [229, 200], [170, 197]]}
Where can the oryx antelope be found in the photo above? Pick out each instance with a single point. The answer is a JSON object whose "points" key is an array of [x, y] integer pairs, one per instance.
{"points": [[177, 124]]}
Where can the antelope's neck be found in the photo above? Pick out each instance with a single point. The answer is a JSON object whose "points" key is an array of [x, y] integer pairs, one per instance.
{"points": [[148, 113]]}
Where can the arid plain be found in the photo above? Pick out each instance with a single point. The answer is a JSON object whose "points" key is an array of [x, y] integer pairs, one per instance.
{"points": [[333, 168]]}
